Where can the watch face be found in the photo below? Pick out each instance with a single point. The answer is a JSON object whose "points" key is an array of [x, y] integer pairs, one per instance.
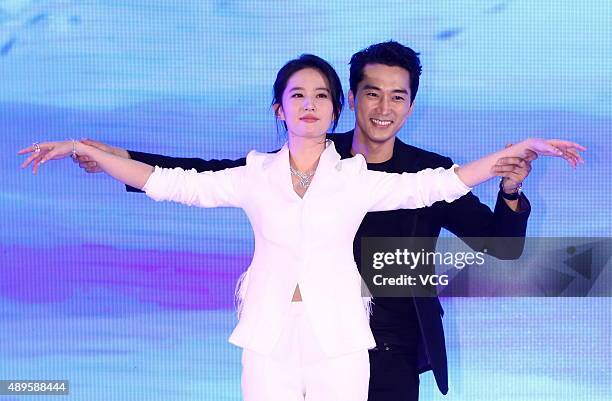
{"points": [[513, 195]]}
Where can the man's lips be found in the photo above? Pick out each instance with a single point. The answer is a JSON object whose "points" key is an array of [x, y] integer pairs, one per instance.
{"points": [[381, 122]]}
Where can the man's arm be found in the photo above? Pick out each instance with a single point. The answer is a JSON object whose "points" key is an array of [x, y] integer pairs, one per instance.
{"points": [[481, 228], [155, 160], [184, 163], [474, 222]]}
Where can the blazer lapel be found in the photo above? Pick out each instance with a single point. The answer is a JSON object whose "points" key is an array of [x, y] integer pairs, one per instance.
{"points": [[279, 175], [325, 179]]}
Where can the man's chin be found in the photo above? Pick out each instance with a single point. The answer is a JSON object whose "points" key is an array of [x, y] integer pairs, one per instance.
{"points": [[378, 135]]}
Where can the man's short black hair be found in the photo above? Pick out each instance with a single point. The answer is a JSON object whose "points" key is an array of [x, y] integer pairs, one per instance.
{"points": [[389, 53]]}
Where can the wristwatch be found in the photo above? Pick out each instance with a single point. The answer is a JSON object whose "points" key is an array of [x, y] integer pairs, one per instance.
{"points": [[512, 196]]}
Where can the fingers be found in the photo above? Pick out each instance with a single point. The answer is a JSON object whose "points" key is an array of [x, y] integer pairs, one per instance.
{"points": [[517, 178], [567, 144], [517, 161], [36, 165], [575, 155], [530, 155], [572, 156], [38, 160], [96, 144], [550, 150], [570, 159], [510, 174], [38, 150], [570, 150], [43, 152], [35, 159], [511, 168], [53, 153], [90, 167], [514, 172], [26, 150], [81, 159], [87, 164], [30, 158]]}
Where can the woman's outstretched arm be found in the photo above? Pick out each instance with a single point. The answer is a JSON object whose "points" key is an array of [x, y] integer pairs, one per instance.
{"points": [[128, 171], [481, 170], [388, 191]]}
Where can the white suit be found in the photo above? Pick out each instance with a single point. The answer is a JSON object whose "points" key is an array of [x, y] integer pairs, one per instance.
{"points": [[306, 241]]}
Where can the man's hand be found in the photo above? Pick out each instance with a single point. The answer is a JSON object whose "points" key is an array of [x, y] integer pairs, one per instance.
{"points": [[91, 166], [514, 170]]}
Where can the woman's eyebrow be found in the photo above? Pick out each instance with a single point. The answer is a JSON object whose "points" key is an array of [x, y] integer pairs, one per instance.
{"points": [[299, 88]]}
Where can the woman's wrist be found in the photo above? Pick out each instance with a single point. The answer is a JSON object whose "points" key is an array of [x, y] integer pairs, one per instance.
{"points": [[80, 148], [519, 149]]}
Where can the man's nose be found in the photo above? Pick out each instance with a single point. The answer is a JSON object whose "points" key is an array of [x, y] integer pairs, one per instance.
{"points": [[383, 105]]}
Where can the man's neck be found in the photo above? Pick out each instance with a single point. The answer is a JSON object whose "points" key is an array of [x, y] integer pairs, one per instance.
{"points": [[374, 152]]}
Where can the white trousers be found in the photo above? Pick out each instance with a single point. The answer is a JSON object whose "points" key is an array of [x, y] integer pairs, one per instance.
{"points": [[298, 370]]}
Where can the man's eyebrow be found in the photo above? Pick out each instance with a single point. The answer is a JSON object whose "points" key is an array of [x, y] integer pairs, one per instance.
{"points": [[370, 87], [373, 87]]}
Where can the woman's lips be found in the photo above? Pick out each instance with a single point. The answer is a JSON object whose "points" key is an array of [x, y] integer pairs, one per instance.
{"points": [[309, 119]]}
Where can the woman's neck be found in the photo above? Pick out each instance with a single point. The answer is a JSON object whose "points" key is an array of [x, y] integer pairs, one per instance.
{"points": [[304, 153]]}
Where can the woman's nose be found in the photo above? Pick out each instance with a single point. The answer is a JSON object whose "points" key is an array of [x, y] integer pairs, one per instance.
{"points": [[308, 104]]}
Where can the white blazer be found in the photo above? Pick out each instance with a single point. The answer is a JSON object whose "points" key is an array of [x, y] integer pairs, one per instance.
{"points": [[306, 241]]}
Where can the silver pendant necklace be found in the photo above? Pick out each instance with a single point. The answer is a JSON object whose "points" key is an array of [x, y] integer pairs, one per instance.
{"points": [[304, 178]]}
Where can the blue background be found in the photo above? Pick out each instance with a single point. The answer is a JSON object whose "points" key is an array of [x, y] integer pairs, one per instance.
{"points": [[131, 299]]}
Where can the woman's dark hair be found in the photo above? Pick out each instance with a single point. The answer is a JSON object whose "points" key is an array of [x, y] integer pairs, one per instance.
{"points": [[389, 53], [316, 63]]}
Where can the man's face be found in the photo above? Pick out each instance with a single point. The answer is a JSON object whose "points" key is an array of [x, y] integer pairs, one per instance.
{"points": [[382, 102]]}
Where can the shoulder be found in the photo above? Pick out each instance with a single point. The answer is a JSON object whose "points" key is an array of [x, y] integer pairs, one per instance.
{"points": [[256, 159], [341, 137], [353, 164], [420, 158]]}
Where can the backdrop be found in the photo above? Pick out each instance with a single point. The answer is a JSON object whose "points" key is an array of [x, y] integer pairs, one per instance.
{"points": [[131, 299]]}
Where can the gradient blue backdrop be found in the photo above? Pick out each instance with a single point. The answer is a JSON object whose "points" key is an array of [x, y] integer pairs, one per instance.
{"points": [[132, 299]]}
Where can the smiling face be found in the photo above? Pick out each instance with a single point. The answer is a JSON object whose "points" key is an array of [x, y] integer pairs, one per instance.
{"points": [[306, 106], [382, 102]]}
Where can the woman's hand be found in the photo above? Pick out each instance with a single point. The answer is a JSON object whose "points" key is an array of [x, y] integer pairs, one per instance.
{"points": [[42, 152], [557, 148], [130, 172], [89, 165]]}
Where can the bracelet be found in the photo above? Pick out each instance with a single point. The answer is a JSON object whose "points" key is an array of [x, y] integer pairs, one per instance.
{"points": [[512, 196], [74, 153]]}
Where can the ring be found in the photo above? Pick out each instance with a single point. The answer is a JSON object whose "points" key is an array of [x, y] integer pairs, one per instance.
{"points": [[36, 147]]}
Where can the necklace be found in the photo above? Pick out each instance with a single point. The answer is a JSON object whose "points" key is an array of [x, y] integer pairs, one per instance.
{"points": [[305, 177]]}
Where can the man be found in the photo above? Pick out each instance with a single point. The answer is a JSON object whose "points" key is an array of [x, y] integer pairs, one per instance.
{"points": [[384, 80]]}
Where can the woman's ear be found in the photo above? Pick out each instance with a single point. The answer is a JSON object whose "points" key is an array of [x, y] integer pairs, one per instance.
{"points": [[278, 111]]}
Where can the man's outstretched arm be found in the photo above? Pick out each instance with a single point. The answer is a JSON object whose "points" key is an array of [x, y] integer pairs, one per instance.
{"points": [[156, 160]]}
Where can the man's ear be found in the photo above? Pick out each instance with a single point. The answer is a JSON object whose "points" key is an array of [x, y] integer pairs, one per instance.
{"points": [[351, 100], [278, 111], [411, 108]]}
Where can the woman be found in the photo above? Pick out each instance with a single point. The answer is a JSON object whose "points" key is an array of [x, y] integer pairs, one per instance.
{"points": [[302, 327]]}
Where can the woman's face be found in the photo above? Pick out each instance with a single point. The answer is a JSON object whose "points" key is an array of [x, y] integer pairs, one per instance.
{"points": [[306, 105]]}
